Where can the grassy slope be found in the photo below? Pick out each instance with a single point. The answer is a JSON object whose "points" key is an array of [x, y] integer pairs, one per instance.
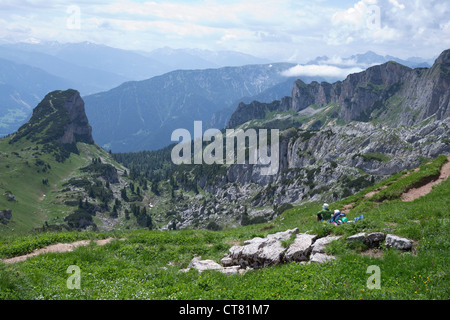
{"points": [[20, 175], [146, 265]]}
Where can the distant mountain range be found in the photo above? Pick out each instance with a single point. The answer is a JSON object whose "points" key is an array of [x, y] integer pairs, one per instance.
{"points": [[21, 88], [141, 115], [30, 70], [369, 59], [101, 67]]}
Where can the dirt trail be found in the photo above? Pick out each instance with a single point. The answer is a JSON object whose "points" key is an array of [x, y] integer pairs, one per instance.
{"points": [[412, 194], [407, 196], [415, 193], [59, 247]]}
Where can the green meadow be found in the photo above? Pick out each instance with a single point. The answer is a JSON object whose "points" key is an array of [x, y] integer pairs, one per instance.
{"points": [[144, 264]]}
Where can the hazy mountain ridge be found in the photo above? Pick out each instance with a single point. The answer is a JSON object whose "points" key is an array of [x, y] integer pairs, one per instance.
{"points": [[93, 68], [28, 71], [21, 88], [142, 115], [369, 59]]}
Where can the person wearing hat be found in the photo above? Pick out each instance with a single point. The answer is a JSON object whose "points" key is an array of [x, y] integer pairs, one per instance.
{"points": [[324, 214]]}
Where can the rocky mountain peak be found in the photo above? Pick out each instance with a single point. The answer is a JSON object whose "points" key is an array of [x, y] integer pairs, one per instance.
{"points": [[78, 129], [59, 121], [444, 57], [390, 93]]}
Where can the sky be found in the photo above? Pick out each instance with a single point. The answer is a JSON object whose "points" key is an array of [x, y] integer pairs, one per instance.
{"points": [[278, 30]]}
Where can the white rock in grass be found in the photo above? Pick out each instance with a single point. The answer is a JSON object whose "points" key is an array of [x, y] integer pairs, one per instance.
{"points": [[321, 257], [393, 241]]}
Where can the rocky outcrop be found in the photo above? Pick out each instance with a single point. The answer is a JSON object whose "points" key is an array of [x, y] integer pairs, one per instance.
{"points": [[323, 165], [320, 244], [59, 121], [78, 128], [203, 265], [305, 248], [257, 110], [396, 242], [374, 239], [261, 252], [337, 140], [269, 251], [301, 248], [313, 160]]}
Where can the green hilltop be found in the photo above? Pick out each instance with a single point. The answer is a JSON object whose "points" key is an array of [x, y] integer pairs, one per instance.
{"points": [[54, 177]]}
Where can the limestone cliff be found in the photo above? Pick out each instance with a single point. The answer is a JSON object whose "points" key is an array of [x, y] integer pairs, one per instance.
{"points": [[78, 129], [389, 93]]}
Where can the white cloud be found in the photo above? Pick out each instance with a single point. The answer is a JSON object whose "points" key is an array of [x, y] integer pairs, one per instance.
{"points": [[204, 12], [320, 70], [397, 26], [396, 4], [338, 62], [357, 15], [275, 29]]}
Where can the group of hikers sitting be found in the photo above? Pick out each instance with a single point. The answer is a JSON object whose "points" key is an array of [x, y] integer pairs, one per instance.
{"points": [[335, 218]]}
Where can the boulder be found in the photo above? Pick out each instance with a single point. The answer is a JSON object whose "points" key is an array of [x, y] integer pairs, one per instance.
{"points": [[320, 244], [259, 252], [357, 237], [373, 239], [300, 249], [250, 251], [232, 270], [319, 257], [202, 265], [282, 236], [235, 253], [226, 261], [393, 241], [271, 253]]}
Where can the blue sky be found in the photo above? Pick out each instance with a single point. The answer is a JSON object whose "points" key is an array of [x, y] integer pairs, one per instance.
{"points": [[280, 30]]}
